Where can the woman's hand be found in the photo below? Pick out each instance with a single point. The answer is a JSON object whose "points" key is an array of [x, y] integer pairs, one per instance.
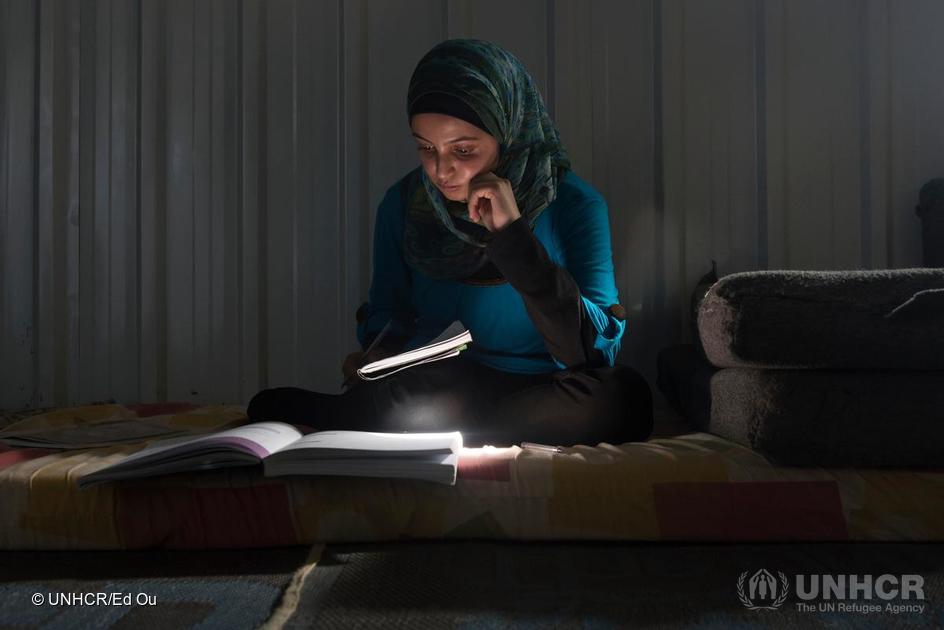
{"points": [[492, 201]]}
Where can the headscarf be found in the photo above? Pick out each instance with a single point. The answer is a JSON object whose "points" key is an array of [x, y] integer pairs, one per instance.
{"points": [[439, 238]]}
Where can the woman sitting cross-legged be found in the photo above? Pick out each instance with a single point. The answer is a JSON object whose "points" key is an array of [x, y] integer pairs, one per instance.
{"points": [[495, 231]]}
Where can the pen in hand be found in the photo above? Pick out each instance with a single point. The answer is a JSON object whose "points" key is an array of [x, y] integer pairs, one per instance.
{"points": [[373, 344]]}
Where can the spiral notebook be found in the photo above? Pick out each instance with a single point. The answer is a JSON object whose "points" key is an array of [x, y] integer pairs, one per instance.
{"points": [[448, 344]]}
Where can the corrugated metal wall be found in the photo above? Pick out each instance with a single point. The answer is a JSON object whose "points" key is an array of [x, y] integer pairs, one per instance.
{"points": [[187, 188]]}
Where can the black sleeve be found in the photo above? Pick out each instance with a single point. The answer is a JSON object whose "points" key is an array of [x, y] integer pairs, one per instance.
{"points": [[550, 294]]}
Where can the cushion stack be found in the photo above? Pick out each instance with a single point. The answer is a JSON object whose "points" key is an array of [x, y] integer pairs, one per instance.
{"points": [[828, 368]]}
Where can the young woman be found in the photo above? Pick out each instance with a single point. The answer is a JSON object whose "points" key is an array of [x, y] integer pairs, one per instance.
{"points": [[494, 230]]}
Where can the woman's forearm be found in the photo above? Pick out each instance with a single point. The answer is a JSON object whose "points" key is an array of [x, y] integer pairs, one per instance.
{"points": [[550, 294]]}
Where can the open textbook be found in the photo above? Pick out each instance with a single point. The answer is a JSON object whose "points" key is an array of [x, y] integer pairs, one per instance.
{"points": [[283, 450], [448, 344]]}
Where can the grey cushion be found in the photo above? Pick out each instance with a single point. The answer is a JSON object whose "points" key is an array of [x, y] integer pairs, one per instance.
{"points": [[891, 319], [832, 418]]}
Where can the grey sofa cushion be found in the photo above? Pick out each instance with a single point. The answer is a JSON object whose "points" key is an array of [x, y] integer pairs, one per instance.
{"points": [[891, 319], [832, 418]]}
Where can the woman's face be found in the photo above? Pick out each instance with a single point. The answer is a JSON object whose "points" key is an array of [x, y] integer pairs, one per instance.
{"points": [[452, 152]]}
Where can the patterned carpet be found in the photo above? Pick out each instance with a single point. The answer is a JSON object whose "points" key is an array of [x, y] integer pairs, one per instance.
{"points": [[505, 585], [144, 589], [190, 589], [458, 584]]}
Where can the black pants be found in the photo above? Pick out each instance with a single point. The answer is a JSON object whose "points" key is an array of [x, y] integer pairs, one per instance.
{"points": [[488, 406]]}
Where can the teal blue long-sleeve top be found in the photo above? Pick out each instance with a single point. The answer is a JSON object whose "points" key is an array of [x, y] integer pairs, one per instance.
{"points": [[574, 233]]}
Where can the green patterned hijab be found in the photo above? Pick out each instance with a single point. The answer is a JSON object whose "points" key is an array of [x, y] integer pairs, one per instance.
{"points": [[439, 238]]}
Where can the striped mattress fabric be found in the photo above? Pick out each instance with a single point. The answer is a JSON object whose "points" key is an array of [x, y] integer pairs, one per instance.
{"points": [[693, 487]]}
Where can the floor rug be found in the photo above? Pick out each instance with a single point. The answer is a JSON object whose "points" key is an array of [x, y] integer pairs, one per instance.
{"points": [[508, 585], [238, 589]]}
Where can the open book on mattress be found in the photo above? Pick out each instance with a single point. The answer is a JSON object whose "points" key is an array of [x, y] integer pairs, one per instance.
{"points": [[283, 450]]}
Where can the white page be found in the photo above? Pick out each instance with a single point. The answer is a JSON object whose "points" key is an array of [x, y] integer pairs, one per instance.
{"points": [[440, 468], [268, 436], [453, 337], [328, 443], [376, 375]]}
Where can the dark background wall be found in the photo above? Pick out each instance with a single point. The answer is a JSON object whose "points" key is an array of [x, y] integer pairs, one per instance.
{"points": [[187, 188]]}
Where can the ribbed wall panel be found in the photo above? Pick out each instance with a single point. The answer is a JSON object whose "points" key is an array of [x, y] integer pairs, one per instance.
{"points": [[187, 189]]}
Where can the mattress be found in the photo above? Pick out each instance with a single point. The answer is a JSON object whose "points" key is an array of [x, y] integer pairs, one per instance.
{"points": [[692, 487]]}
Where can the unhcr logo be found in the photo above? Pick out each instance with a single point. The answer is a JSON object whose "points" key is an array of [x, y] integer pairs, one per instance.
{"points": [[884, 587], [763, 591], [834, 593], [856, 593]]}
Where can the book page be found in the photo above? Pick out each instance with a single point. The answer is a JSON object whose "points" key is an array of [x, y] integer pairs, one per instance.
{"points": [[260, 439], [454, 330], [376, 375], [440, 468], [454, 337], [366, 443]]}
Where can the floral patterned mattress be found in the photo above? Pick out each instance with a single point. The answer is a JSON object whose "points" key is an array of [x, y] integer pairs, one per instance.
{"points": [[693, 487]]}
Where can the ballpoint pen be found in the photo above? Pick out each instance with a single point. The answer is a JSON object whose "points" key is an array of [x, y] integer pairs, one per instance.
{"points": [[531, 446], [373, 344]]}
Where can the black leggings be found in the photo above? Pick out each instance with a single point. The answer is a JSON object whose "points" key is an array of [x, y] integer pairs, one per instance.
{"points": [[488, 406]]}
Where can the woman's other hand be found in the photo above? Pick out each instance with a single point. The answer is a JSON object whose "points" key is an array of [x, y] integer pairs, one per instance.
{"points": [[357, 360], [492, 201]]}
